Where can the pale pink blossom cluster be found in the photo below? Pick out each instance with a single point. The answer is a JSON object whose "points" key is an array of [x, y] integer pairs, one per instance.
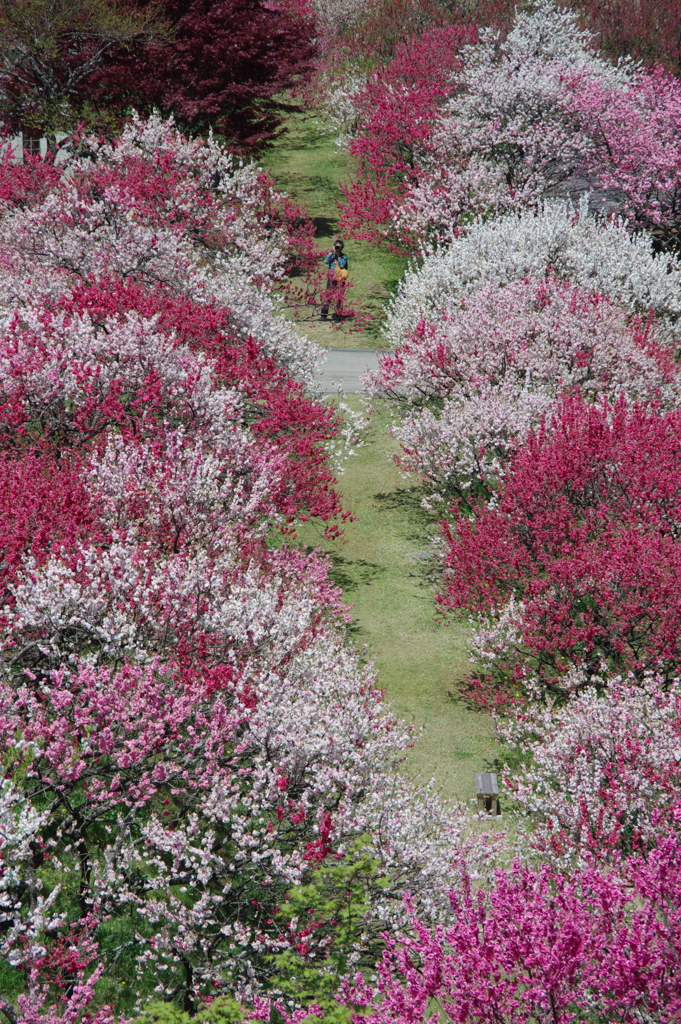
{"points": [[473, 383], [489, 331], [604, 771]]}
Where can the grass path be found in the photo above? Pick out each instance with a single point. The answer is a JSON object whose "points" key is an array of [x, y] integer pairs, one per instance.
{"points": [[384, 563], [386, 569], [308, 165]]}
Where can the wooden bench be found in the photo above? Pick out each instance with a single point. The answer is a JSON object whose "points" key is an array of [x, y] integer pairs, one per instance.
{"points": [[487, 788]]}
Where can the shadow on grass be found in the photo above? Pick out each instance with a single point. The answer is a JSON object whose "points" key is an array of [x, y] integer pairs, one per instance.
{"points": [[408, 501], [419, 526], [324, 225], [391, 284], [350, 574], [323, 186]]}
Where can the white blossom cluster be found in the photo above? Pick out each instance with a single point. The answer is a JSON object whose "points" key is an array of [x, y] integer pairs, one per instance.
{"points": [[559, 239], [20, 825], [339, 108]]}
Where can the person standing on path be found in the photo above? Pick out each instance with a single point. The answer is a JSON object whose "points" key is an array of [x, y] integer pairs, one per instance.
{"points": [[337, 262]]}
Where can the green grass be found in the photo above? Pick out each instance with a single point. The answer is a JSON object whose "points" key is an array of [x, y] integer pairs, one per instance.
{"points": [[308, 165], [11, 981], [386, 568]]}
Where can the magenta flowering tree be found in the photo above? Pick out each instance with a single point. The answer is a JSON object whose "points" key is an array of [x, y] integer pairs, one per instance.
{"points": [[163, 785], [540, 947], [394, 114], [26, 183], [143, 373]]}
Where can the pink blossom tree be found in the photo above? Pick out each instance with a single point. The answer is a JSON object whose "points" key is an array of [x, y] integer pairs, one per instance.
{"points": [[472, 385], [604, 770], [634, 134]]}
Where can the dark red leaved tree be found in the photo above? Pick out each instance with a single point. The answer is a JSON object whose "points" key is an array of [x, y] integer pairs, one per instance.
{"points": [[227, 65], [647, 31]]}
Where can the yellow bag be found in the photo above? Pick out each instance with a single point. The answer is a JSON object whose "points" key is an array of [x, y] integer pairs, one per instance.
{"points": [[340, 274]]}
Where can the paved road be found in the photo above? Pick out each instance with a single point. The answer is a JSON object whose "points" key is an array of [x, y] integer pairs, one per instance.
{"points": [[345, 367]]}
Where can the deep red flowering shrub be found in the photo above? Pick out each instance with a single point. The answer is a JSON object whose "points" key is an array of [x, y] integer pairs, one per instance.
{"points": [[225, 67], [577, 559], [25, 183], [396, 111], [45, 506], [219, 64]]}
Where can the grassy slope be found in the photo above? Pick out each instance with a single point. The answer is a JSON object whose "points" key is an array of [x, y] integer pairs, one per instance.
{"points": [[308, 165], [385, 567]]}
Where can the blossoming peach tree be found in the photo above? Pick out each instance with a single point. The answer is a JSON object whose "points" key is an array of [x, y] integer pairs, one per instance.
{"points": [[540, 946], [604, 772], [489, 333], [469, 387], [572, 566]]}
